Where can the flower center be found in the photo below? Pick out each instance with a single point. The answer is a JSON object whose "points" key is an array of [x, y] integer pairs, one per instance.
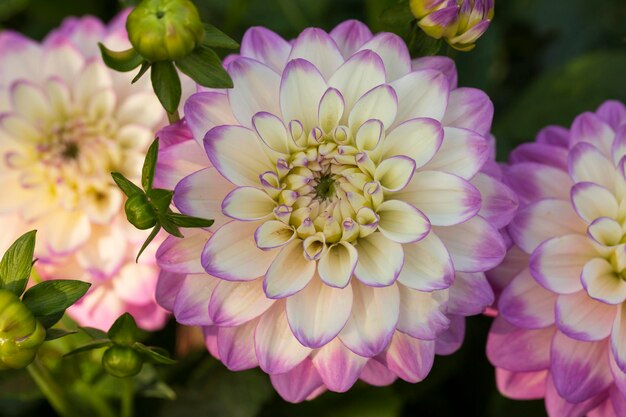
{"points": [[325, 187]]}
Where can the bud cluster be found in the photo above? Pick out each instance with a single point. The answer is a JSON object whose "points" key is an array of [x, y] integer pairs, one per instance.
{"points": [[459, 22]]}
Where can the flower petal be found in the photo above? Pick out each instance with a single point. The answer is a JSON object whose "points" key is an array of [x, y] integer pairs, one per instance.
{"points": [[373, 319], [602, 283], [277, 350], [338, 366], [380, 260], [582, 318], [235, 303], [191, 307], [379, 103], [349, 36], [231, 253], [402, 222], [248, 204], [299, 383], [521, 385], [421, 93], [527, 304], [427, 265], [469, 108], [462, 153], [204, 111], [265, 46], [527, 179], [445, 199], [419, 139], [318, 313], [337, 265], [422, 313], [394, 53], [317, 47], [236, 346], [395, 173], [182, 255], [289, 273], [592, 201], [238, 154], [499, 202], [557, 263], [588, 164], [470, 294], [411, 359]]}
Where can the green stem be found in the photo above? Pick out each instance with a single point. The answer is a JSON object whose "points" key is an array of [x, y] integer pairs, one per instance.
{"points": [[173, 117], [96, 403], [128, 397], [51, 390]]}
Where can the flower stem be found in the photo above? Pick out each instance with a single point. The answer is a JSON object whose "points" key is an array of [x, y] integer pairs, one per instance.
{"points": [[128, 397], [51, 390], [173, 117]]}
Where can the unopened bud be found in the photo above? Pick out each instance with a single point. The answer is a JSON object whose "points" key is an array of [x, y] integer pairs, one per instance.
{"points": [[164, 30], [140, 212], [122, 361], [21, 333]]}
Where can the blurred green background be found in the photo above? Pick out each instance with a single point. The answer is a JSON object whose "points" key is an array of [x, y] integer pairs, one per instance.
{"points": [[542, 62]]}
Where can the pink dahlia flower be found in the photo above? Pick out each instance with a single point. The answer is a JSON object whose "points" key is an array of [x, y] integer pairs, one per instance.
{"points": [[352, 224], [66, 122], [561, 333]]}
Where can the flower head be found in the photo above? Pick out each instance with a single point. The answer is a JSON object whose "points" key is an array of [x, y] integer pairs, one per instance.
{"points": [[66, 122], [561, 334], [352, 224], [459, 22]]}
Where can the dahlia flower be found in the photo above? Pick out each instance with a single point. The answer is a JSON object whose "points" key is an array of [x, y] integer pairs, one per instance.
{"points": [[352, 224], [66, 122], [561, 329]]}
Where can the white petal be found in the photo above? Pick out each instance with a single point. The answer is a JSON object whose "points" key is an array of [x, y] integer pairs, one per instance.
{"points": [[318, 313], [421, 94], [338, 366], [337, 265], [289, 273], [427, 265], [273, 234], [422, 313], [380, 103], [380, 260], [394, 53], [419, 139], [395, 173], [402, 222], [235, 303], [318, 48], [248, 203], [602, 283]]}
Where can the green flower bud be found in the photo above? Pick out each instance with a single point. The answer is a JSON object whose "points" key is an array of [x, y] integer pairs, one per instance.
{"points": [[20, 333], [139, 212], [122, 361], [164, 30]]}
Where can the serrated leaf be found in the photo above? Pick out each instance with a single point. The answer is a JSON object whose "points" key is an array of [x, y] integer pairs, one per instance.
{"points": [[48, 300], [126, 185], [204, 66], [124, 331], [149, 165], [160, 199], [154, 354], [182, 220], [96, 344], [145, 66], [53, 334], [17, 263], [122, 61], [215, 38], [150, 238], [93, 332], [166, 85]]}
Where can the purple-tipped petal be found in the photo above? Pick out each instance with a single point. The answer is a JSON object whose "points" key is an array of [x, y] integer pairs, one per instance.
{"points": [[442, 64], [235, 303], [469, 108], [299, 383], [527, 180], [551, 155], [204, 111], [394, 53], [235, 346], [470, 294], [317, 47], [411, 359], [349, 36], [265, 46], [526, 304], [191, 307], [181, 255], [521, 385], [421, 94], [582, 318], [338, 366]]}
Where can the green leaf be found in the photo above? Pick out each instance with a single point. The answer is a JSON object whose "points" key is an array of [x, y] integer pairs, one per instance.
{"points": [[145, 66], [48, 300], [160, 199], [170, 227], [17, 263], [166, 85], [53, 334], [154, 354], [122, 61], [149, 165], [124, 331], [183, 220], [96, 344], [560, 95], [215, 38], [149, 240], [93, 332], [126, 185], [205, 67]]}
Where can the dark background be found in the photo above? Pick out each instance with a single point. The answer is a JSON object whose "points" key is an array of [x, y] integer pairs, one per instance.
{"points": [[542, 62]]}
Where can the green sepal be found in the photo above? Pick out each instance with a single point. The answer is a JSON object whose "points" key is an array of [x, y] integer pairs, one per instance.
{"points": [[160, 199], [96, 344], [166, 85], [149, 240], [170, 227], [122, 61], [126, 185], [53, 334], [182, 220], [140, 212], [17, 263], [215, 38], [93, 332], [149, 165], [124, 331], [145, 66], [154, 354], [48, 300], [204, 66]]}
